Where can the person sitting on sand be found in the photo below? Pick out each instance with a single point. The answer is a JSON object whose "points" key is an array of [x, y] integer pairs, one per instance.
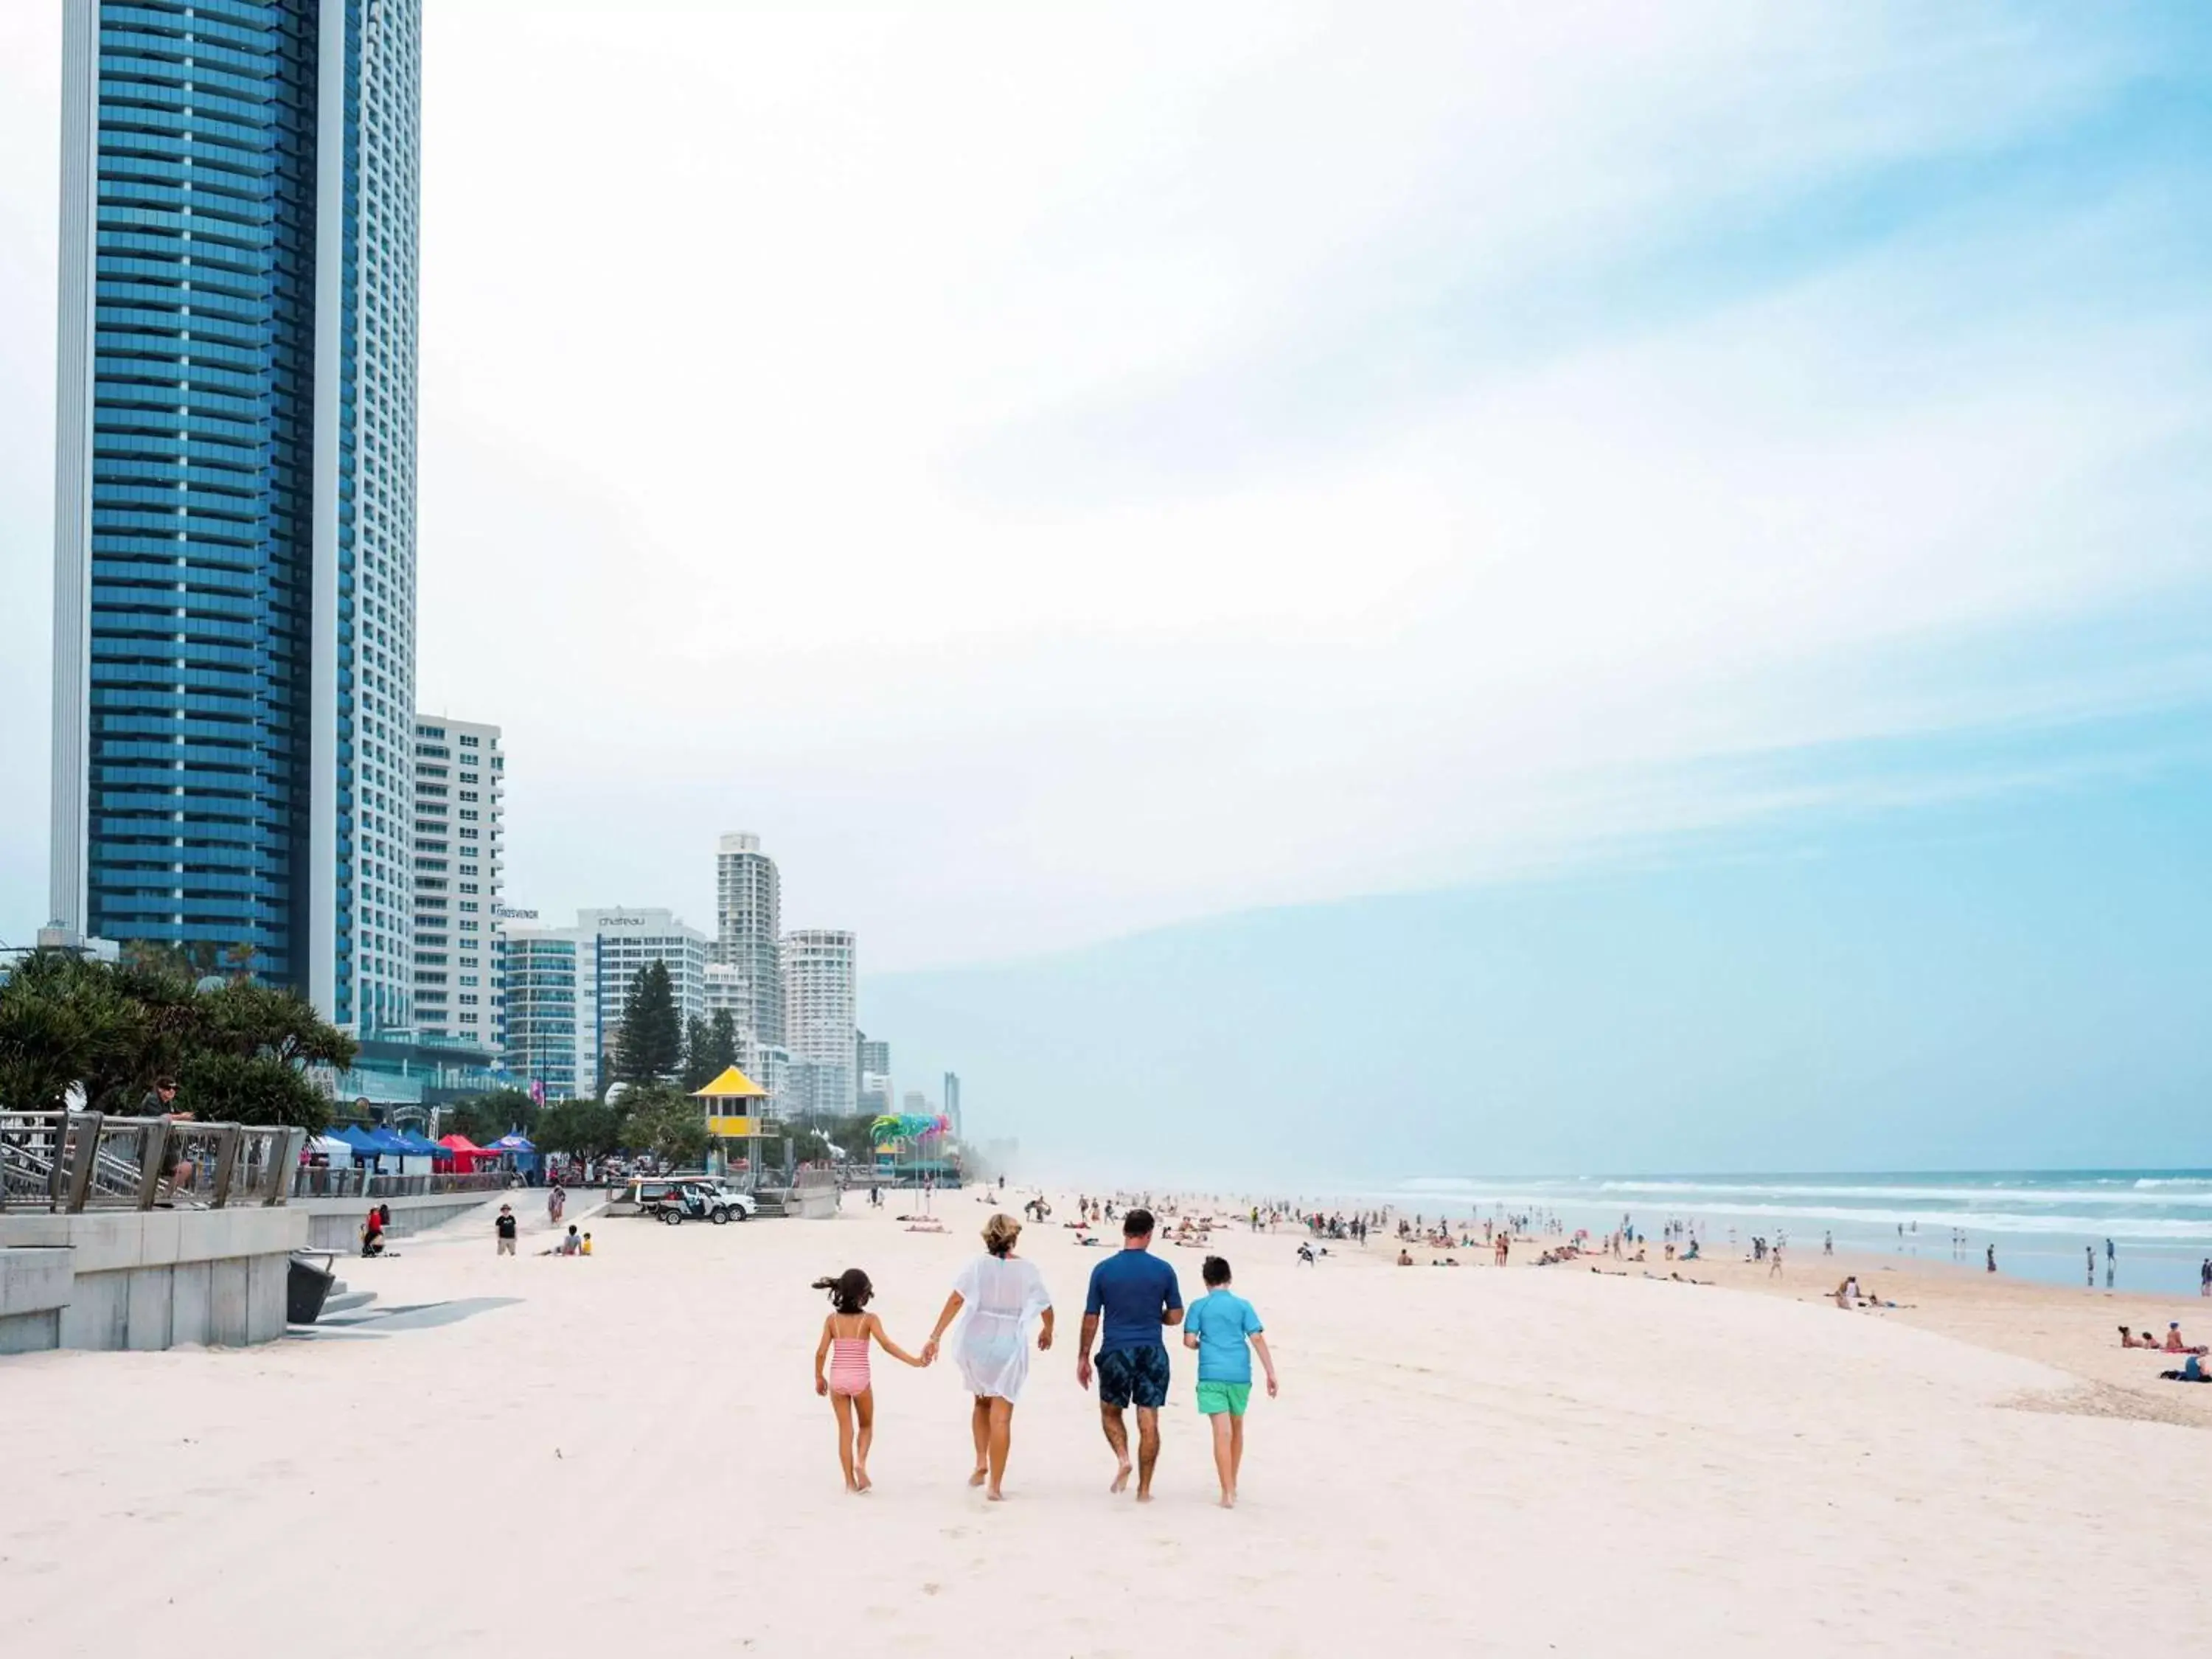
{"points": [[2174, 1342], [1405, 1258]]}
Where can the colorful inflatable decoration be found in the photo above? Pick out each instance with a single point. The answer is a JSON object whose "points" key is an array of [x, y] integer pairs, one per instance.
{"points": [[894, 1128]]}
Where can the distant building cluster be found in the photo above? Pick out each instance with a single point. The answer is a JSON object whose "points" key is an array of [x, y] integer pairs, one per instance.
{"points": [[243, 781]]}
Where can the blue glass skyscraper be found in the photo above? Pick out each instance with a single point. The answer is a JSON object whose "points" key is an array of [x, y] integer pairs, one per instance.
{"points": [[234, 593]]}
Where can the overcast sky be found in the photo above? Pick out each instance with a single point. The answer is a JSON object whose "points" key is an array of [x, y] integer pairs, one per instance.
{"points": [[1055, 471]]}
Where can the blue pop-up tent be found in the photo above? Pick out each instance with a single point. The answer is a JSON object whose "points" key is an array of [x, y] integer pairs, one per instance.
{"points": [[516, 1149], [357, 1138]]}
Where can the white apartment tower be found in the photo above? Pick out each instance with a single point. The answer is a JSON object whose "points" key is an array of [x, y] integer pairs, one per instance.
{"points": [[460, 971], [618, 941], [821, 984], [748, 926]]}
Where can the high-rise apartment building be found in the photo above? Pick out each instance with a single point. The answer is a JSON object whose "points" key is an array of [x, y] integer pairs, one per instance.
{"points": [[748, 930], [952, 1103], [234, 488], [873, 1068], [552, 1017], [566, 986], [821, 983], [459, 969], [625, 938], [728, 990]]}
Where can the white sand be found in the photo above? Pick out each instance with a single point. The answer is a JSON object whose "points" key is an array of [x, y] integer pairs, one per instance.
{"points": [[1469, 1461]]}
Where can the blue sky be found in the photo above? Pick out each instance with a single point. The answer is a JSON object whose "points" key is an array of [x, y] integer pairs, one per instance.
{"points": [[1063, 474]]}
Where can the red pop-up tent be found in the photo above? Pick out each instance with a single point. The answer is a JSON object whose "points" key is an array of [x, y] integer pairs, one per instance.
{"points": [[465, 1154]]}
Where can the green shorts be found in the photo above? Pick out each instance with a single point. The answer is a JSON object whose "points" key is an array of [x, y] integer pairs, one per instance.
{"points": [[1215, 1397]]}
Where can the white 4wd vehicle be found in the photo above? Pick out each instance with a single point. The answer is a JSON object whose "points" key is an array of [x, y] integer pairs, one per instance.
{"points": [[680, 1202]]}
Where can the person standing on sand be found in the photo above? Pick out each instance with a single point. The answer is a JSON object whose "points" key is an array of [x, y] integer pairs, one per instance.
{"points": [[1993, 1258], [1137, 1295], [1002, 1293], [504, 1228]]}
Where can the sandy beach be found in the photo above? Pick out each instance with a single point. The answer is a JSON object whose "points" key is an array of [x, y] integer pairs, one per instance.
{"points": [[559, 1455]]}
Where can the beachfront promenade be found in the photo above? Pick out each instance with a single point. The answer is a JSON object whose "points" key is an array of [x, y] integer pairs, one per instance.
{"points": [[1516, 1463]]}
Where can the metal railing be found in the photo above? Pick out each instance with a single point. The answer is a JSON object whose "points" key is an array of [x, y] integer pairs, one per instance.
{"points": [[335, 1182], [70, 1162]]}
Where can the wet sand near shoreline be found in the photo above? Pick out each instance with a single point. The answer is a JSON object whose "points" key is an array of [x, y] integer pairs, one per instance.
{"points": [[1482, 1462]]}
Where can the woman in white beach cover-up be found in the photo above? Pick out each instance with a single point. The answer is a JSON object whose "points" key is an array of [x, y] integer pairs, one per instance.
{"points": [[1002, 1294]]}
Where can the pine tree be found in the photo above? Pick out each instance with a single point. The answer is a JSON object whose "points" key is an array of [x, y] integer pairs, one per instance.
{"points": [[699, 1068], [722, 1041], [652, 1043]]}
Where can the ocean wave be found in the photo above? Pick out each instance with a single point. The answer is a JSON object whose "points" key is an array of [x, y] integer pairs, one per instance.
{"points": [[1688, 1190], [2170, 1228]]}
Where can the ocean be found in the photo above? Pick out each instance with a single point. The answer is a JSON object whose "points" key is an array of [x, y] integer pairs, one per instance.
{"points": [[2158, 1221]]}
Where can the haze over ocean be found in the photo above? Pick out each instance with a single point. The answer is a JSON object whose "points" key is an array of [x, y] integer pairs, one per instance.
{"points": [[2012, 982]]}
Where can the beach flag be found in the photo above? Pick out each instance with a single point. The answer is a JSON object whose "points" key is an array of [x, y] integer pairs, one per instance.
{"points": [[537, 1090]]}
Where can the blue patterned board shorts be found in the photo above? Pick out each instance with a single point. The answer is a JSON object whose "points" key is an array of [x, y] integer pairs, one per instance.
{"points": [[1134, 1377]]}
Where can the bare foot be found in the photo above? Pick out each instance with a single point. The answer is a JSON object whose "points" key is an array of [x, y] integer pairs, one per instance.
{"points": [[1144, 1497], [979, 1477], [995, 1496], [861, 1481], [1228, 1500], [1121, 1479]]}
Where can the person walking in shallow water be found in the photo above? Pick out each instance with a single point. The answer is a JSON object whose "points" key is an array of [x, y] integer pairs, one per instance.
{"points": [[1135, 1294]]}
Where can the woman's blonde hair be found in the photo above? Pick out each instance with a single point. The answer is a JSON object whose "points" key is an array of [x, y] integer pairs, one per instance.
{"points": [[999, 1233]]}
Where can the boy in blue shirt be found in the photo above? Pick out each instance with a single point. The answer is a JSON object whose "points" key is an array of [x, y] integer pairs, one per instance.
{"points": [[1224, 1327]]}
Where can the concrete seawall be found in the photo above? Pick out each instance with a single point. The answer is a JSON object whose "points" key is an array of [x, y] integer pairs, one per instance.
{"points": [[334, 1224], [145, 1280]]}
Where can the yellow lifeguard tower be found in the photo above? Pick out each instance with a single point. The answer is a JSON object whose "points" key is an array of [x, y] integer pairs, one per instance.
{"points": [[733, 1102]]}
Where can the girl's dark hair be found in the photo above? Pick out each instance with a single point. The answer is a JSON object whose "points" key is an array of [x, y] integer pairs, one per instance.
{"points": [[1215, 1270], [849, 1292]]}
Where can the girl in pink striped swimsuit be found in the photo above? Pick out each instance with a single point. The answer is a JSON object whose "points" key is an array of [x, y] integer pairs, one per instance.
{"points": [[844, 1347]]}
